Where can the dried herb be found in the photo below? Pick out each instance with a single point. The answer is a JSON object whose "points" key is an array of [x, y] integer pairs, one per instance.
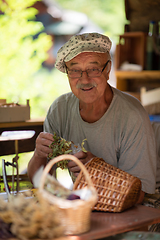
{"points": [[61, 146], [28, 217]]}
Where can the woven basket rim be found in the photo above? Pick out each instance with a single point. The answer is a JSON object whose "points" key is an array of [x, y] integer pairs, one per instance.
{"points": [[65, 203]]}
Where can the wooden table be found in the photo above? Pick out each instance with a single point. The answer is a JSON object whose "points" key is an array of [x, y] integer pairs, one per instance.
{"points": [[108, 224], [7, 147]]}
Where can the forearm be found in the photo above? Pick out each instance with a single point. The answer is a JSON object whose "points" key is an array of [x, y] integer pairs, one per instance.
{"points": [[34, 164], [41, 153]]}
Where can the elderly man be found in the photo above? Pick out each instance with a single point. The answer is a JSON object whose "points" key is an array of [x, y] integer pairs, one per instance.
{"points": [[115, 124]]}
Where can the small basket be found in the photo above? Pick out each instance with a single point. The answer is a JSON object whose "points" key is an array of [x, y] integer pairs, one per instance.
{"points": [[116, 189], [75, 215]]}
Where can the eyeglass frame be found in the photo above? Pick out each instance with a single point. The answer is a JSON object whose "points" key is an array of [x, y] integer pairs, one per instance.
{"points": [[89, 69]]}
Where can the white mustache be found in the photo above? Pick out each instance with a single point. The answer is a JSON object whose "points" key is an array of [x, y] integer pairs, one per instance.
{"points": [[88, 85]]}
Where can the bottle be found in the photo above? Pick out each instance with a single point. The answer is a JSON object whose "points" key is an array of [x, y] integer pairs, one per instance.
{"points": [[150, 52], [158, 47]]}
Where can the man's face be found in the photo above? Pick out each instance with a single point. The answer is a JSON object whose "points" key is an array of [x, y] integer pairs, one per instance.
{"points": [[89, 89]]}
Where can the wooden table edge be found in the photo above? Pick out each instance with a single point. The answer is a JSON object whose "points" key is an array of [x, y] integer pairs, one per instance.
{"points": [[31, 122]]}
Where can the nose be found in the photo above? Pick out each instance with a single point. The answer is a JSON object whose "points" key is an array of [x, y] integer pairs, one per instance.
{"points": [[84, 76]]}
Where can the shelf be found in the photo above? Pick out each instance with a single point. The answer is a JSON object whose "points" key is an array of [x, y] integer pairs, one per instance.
{"points": [[123, 78], [138, 75], [31, 122]]}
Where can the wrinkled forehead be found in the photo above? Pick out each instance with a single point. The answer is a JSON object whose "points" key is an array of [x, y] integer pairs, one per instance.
{"points": [[90, 57]]}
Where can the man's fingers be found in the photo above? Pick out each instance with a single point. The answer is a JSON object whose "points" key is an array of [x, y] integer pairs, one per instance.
{"points": [[43, 142], [43, 151], [44, 139], [80, 155], [46, 135], [76, 174], [75, 169]]}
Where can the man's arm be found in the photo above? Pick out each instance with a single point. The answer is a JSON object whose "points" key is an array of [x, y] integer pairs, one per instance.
{"points": [[41, 152]]}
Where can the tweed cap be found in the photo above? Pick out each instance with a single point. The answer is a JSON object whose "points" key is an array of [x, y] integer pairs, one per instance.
{"points": [[87, 42]]}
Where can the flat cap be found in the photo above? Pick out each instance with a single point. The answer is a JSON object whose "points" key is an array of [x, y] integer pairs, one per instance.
{"points": [[87, 42]]}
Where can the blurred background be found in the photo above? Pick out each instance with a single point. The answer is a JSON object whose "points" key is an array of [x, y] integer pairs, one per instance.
{"points": [[31, 32]]}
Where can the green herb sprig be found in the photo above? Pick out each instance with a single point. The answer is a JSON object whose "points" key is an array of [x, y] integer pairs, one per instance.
{"points": [[60, 146]]}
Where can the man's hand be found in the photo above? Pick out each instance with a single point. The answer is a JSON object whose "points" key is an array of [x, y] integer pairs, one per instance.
{"points": [[43, 142], [83, 157]]}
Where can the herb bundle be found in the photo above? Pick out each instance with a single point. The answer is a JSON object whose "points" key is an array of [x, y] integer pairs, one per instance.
{"points": [[61, 146]]}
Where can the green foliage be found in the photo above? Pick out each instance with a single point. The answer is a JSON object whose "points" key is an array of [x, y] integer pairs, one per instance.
{"points": [[45, 88], [21, 73], [108, 14], [21, 55]]}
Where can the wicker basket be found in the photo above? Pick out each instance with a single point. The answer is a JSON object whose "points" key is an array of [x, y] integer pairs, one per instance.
{"points": [[117, 190], [75, 215]]}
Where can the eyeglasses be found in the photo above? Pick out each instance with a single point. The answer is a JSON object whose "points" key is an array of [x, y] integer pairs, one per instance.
{"points": [[93, 72]]}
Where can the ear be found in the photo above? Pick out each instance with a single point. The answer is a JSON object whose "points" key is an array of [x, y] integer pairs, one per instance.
{"points": [[109, 66], [108, 69]]}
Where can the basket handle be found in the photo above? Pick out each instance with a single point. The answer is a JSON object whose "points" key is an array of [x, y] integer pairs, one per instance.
{"points": [[60, 158]]}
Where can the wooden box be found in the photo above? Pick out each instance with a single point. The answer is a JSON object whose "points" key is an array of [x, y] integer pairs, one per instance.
{"points": [[11, 112], [151, 100], [150, 97], [131, 48]]}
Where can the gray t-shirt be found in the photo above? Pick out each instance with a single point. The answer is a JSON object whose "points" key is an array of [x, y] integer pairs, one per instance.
{"points": [[123, 136]]}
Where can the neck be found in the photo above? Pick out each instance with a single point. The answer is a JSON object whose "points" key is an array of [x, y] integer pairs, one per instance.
{"points": [[92, 112]]}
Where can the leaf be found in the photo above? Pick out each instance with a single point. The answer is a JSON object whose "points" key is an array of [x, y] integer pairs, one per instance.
{"points": [[82, 145]]}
